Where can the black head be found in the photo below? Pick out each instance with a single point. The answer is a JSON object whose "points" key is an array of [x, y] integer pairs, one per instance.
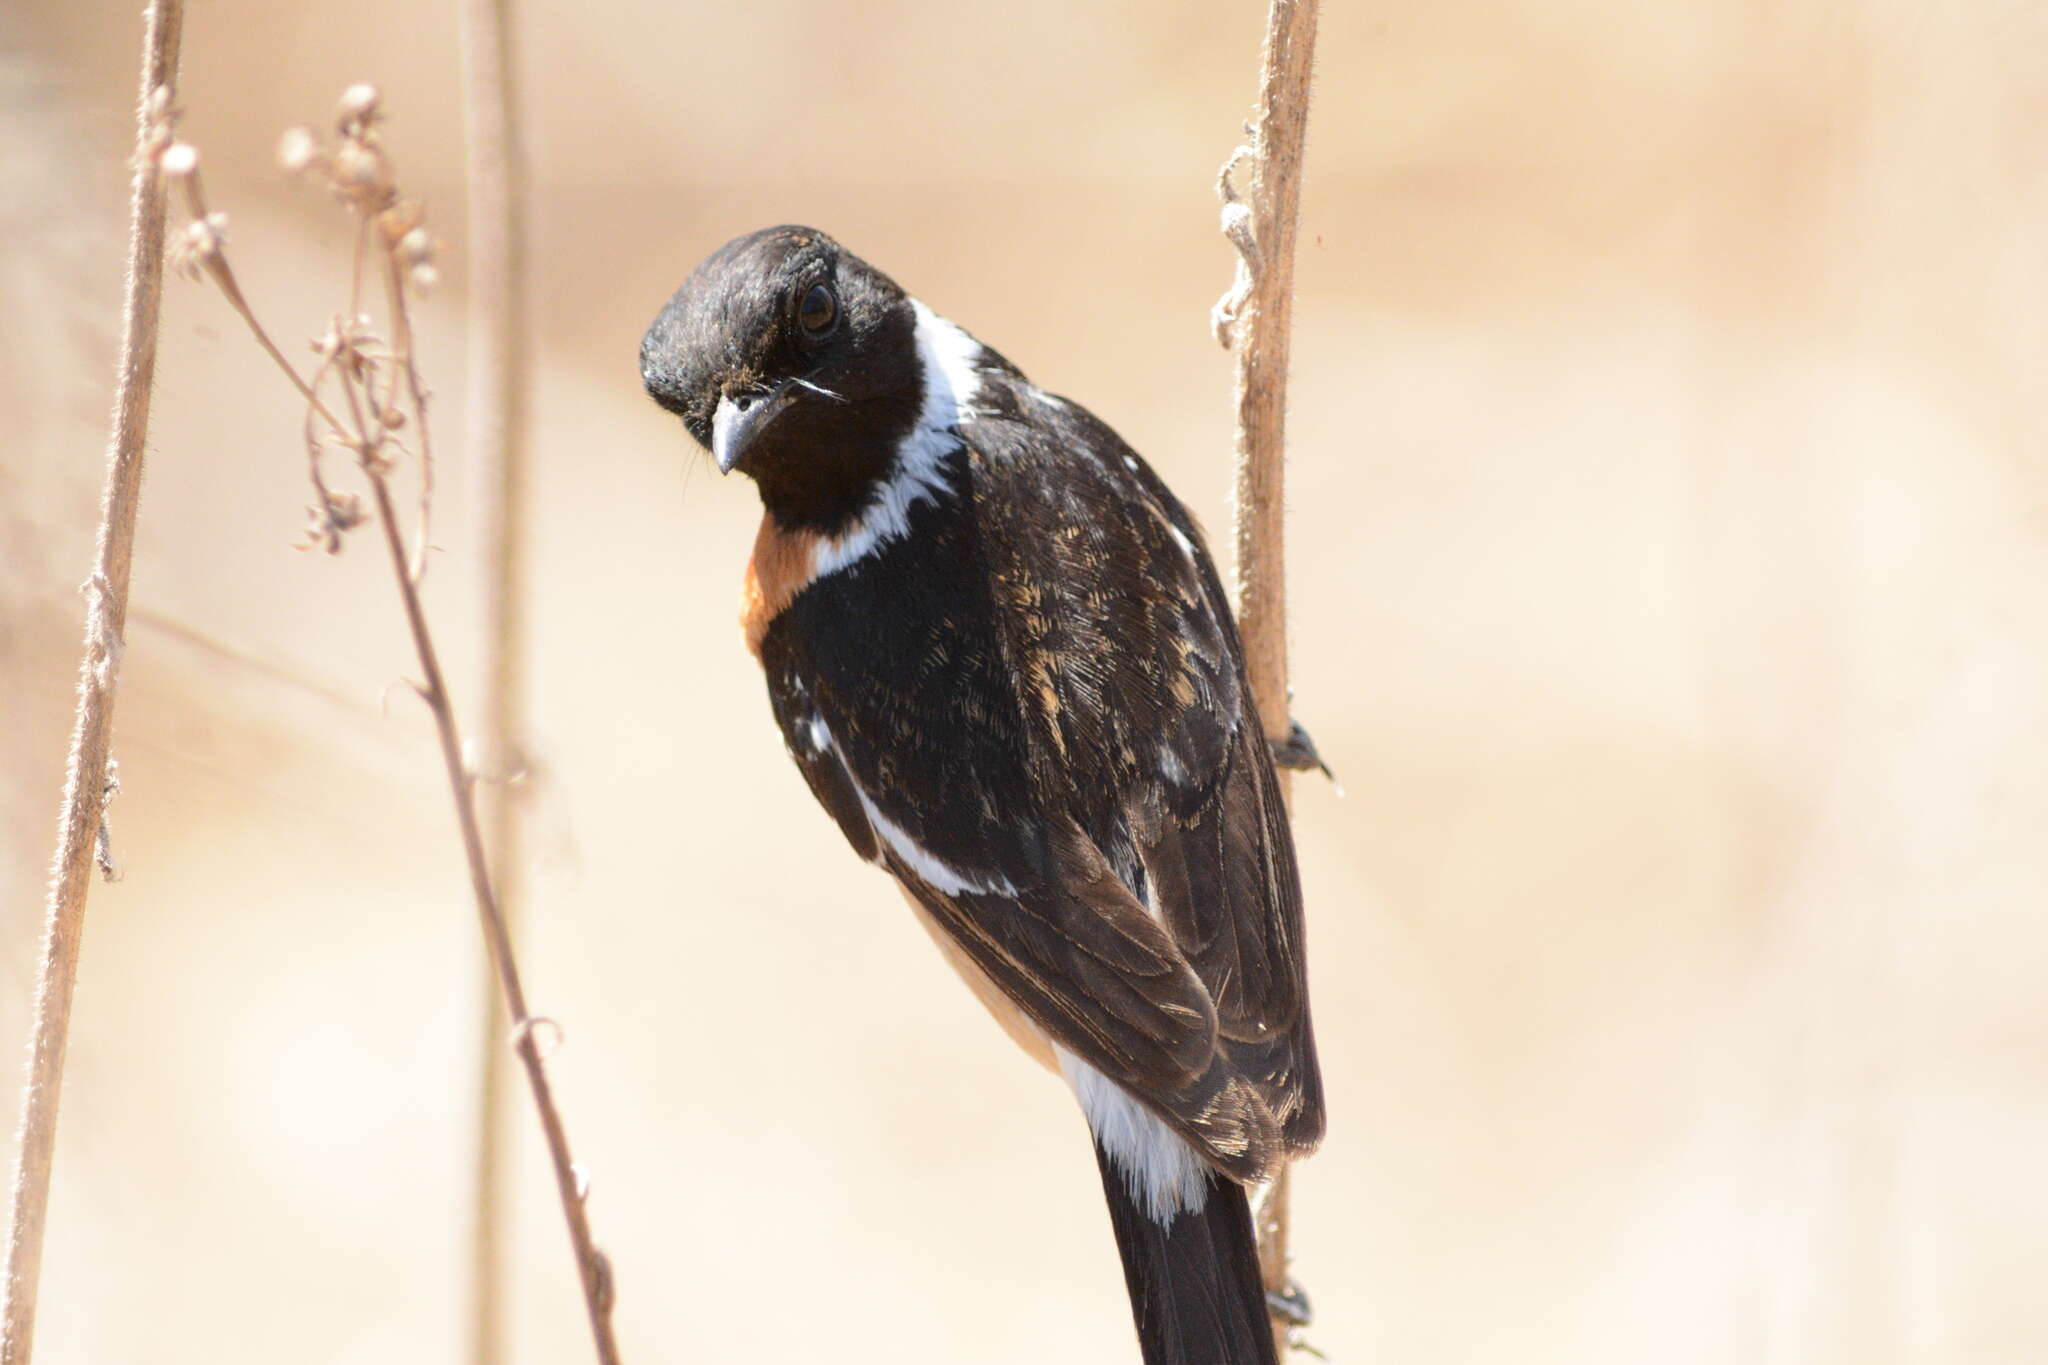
{"points": [[795, 362]]}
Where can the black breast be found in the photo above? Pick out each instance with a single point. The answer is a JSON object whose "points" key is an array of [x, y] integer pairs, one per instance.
{"points": [[901, 658]]}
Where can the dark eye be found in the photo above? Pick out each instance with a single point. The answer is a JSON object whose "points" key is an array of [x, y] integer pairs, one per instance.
{"points": [[818, 311]]}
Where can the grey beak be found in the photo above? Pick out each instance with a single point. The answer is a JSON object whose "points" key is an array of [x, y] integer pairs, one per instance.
{"points": [[741, 418]]}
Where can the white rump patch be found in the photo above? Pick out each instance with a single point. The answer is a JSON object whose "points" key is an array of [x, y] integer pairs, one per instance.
{"points": [[947, 357], [1163, 1172]]}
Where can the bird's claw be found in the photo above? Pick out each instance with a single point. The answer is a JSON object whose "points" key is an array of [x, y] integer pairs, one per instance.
{"points": [[1298, 752], [1290, 1308], [1290, 1305]]}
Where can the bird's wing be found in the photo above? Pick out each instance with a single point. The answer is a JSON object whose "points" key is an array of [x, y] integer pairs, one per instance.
{"points": [[1026, 894], [1143, 724]]}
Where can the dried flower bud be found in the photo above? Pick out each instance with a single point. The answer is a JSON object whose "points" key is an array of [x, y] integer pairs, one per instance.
{"points": [[401, 218], [361, 173], [416, 248], [326, 526], [424, 278], [199, 245], [392, 418], [358, 106], [297, 150], [179, 160]]}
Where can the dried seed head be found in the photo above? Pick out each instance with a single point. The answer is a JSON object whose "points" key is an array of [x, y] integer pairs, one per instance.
{"points": [[400, 219], [178, 160], [337, 340], [326, 526], [199, 245], [416, 248], [298, 150], [358, 107], [346, 510], [362, 175]]}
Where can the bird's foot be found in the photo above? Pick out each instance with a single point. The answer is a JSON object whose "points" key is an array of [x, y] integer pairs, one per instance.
{"points": [[1290, 1307], [1298, 752]]}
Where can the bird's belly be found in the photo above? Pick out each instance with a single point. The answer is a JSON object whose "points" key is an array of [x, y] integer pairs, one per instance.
{"points": [[1023, 1032]]}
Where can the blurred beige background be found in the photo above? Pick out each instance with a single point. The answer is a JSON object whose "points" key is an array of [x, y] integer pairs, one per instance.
{"points": [[1668, 541]]}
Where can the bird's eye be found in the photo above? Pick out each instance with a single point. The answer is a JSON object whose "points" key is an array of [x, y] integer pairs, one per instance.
{"points": [[818, 311]]}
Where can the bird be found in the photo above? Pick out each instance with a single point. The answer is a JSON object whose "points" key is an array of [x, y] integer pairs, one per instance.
{"points": [[1000, 654]]}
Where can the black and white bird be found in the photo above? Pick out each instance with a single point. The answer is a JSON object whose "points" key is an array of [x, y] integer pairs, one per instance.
{"points": [[1000, 653]]}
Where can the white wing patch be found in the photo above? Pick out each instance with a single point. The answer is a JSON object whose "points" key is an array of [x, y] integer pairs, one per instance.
{"points": [[1164, 1174], [947, 356], [934, 871], [1170, 766]]}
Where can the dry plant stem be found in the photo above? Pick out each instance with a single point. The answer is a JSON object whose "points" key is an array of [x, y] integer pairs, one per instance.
{"points": [[402, 346], [498, 377], [1257, 318], [92, 735], [366, 432], [596, 1275]]}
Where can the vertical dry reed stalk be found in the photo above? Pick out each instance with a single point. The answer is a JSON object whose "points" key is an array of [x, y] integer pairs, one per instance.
{"points": [[378, 388], [1254, 319], [498, 379], [87, 775]]}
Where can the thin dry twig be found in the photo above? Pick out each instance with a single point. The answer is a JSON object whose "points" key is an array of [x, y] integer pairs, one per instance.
{"points": [[379, 394], [88, 778], [1253, 319], [498, 380]]}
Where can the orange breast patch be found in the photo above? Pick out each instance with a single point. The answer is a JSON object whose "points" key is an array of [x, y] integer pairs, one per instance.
{"points": [[783, 565]]}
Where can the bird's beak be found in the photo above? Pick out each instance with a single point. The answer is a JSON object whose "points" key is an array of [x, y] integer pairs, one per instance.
{"points": [[741, 418]]}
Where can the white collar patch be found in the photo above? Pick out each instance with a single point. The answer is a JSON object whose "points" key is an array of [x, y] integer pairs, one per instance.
{"points": [[948, 358]]}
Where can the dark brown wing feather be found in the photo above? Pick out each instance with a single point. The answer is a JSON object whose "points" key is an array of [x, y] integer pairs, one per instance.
{"points": [[1152, 1033], [1056, 929], [1223, 873], [1145, 727], [1088, 964]]}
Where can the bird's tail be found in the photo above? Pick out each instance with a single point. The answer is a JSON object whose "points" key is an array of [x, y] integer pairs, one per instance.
{"points": [[1193, 1274]]}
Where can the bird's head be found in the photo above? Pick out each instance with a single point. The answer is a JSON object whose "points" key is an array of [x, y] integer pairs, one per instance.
{"points": [[794, 361]]}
